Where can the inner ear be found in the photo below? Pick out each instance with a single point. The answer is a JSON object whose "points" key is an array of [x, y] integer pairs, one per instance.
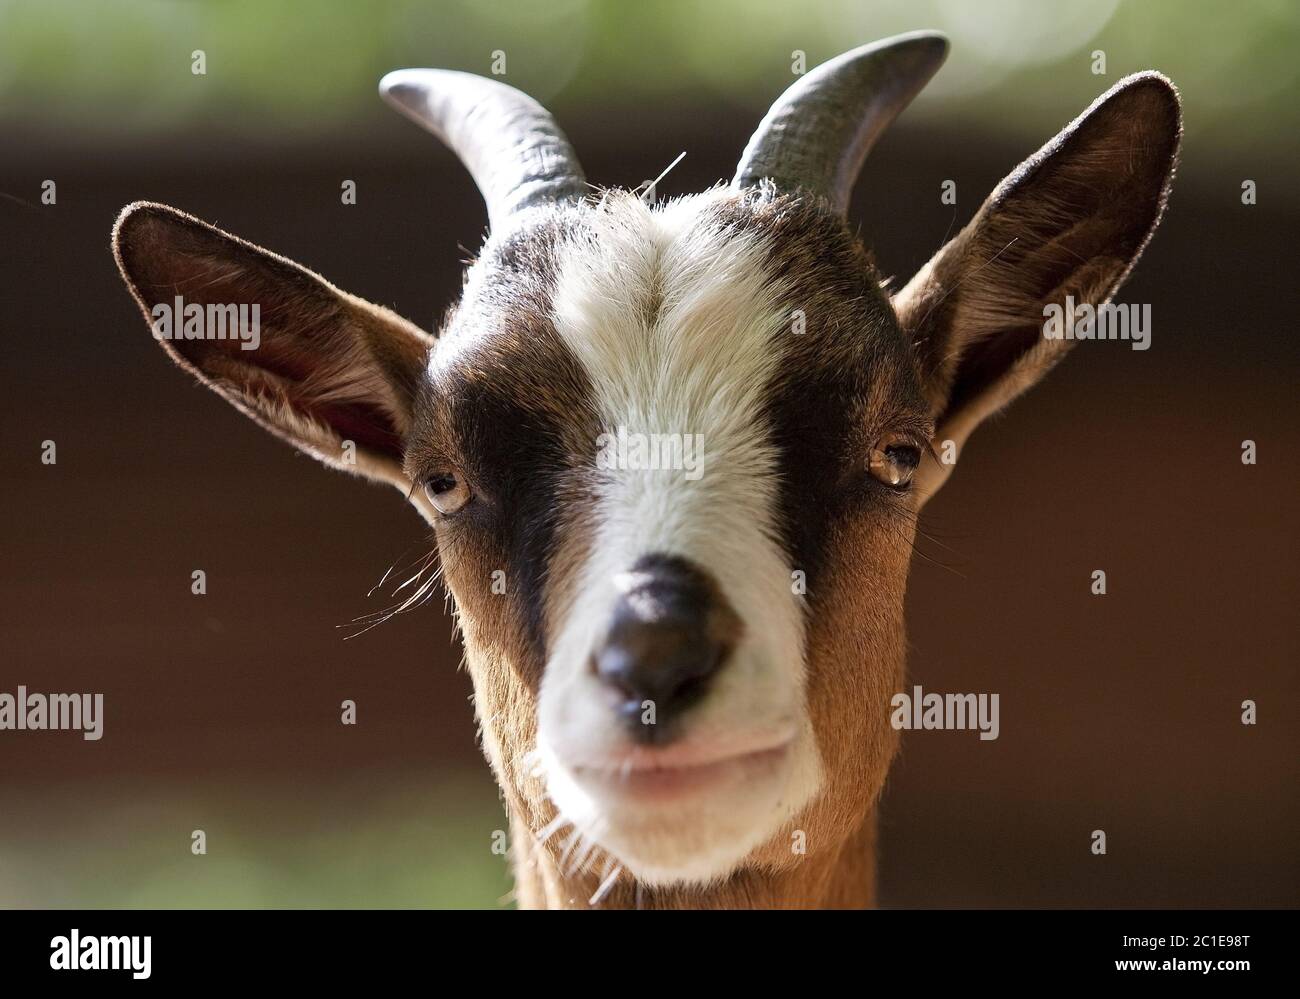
{"points": [[1069, 221], [319, 368]]}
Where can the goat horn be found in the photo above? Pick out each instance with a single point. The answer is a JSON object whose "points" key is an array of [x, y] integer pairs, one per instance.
{"points": [[510, 144], [817, 134]]}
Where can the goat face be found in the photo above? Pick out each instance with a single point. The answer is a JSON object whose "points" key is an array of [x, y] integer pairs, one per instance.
{"points": [[659, 619], [685, 663]]}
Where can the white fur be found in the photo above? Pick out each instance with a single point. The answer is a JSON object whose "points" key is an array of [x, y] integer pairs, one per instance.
{"points": [[676, 324]]}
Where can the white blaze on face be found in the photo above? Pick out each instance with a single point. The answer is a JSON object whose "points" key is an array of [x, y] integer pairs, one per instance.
{"points": [[678, 328]]}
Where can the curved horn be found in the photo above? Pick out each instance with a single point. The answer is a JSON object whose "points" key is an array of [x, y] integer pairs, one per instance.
{"points": [[510, 144], [819, 131]]}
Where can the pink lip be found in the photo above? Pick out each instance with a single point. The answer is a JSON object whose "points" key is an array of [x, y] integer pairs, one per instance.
{"points": [[677, 770]]}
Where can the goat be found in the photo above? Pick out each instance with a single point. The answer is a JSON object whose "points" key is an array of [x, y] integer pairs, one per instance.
{"points": [[678, 677]]}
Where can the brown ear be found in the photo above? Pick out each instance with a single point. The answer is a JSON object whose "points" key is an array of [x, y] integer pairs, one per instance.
{"points": [[1069, 221], [330, 373]]}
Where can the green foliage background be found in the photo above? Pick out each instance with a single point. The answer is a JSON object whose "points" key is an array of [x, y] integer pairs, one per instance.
{"points": [[125, 66]]}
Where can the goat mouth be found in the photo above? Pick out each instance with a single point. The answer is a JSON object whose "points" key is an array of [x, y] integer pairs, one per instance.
{"points": [[654, 776]]}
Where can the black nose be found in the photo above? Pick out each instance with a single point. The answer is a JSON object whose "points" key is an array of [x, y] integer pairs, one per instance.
{"points": [[672, 630]]}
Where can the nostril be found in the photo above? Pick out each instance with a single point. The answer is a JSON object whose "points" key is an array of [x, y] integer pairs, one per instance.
{"points": [[670, 635], [659, 668], [691, 690], [613, 666]]}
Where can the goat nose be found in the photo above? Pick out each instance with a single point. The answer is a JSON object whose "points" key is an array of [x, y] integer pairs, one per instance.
{"points": [[671, 632]]}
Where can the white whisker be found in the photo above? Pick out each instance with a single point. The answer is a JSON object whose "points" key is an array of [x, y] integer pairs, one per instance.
{"points": [[605, 886]]}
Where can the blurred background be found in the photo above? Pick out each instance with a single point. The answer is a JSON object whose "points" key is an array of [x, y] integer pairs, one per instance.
{"points": [[1119, 712]]}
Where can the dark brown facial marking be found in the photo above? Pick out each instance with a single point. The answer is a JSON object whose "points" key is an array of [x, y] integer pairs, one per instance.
{"points": [[511, 412], [845, 379]]}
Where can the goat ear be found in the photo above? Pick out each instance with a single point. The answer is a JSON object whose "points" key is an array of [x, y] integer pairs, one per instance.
{"points": [[318, 367], [1069, 221]]}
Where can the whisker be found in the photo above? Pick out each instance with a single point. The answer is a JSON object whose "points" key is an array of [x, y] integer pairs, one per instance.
{"points": [[610, 880], [550, 829], [580, 861], [570, 844], [424, 589]]}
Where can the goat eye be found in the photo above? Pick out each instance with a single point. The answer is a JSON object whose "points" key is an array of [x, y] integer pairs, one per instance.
{"points": [[447, 491], [894, 460]]}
